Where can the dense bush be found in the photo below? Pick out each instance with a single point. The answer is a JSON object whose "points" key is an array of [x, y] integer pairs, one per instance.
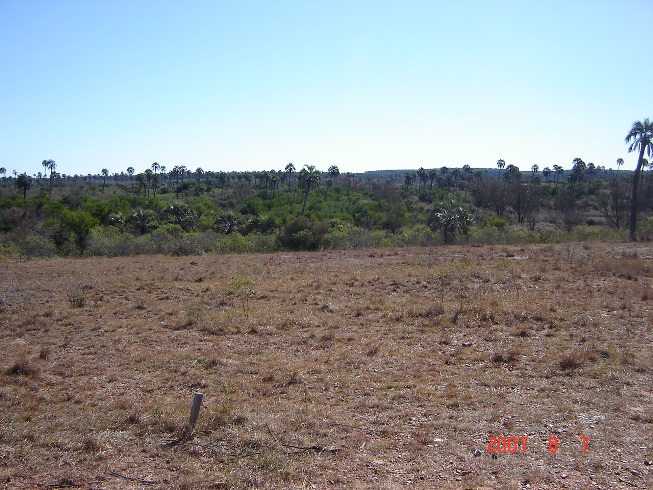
{"points": [[304, 233]]}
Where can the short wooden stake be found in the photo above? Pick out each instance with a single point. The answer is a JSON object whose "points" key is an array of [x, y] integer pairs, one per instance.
{"points": [[195, 410]]}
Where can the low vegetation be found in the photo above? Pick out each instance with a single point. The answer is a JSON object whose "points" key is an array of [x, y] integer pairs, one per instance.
{"points": [[240, 212], [375, 368]]}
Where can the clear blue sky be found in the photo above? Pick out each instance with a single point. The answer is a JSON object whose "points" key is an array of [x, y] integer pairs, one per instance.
{"points": [[365, 85]]}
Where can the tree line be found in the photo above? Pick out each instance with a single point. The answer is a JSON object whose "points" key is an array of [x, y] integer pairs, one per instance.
{"points": [[183, 211]]}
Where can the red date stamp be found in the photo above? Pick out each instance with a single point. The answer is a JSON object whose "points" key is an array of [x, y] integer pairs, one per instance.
{"points": [[518, 444]]}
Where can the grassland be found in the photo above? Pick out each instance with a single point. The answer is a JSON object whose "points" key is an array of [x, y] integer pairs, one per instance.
{"points": [[355, 369]]}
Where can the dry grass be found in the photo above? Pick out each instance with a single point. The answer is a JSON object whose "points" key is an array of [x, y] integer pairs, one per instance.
{"points": [[360, 369]]}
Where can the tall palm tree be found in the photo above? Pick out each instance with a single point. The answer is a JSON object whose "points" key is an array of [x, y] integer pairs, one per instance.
{"points": [[640, 138], [546, 172], [535, 168], [309, 178], [501, 164], [273, 181], [24, 182], [591, 170], [409, 177], [105, 173], [149, 175], [333, 172], [423, 178], [50, 164], [620, 162], [290, 168], [467, 172], [130, 171], [558, 171]]}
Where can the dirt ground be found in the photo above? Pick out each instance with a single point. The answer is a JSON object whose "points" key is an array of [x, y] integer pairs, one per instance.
{"points": [[366, 369]]}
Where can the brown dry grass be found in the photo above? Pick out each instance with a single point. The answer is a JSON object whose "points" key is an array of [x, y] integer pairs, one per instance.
{"points": [[397, 363]]}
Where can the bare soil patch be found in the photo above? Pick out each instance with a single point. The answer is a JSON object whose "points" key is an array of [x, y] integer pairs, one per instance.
{"points": [[353, 369]]}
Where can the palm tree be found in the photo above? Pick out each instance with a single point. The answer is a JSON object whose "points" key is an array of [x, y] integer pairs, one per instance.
{"points": [[105, 172], [512, 173], [640, 138], [154, 183], [467, 172], [450, 219], [620, 162], [645, 164], [546, 172], [130, 171], [174, 173], [591, 170], [273, 179], [558, 171], [309, 178], [290, 168], [140, 181], [50, 164], [423, 178], [409, 177], [501, 164], [148, 179], [433, 174], [535, 168], [333, 171], [227, 223], [24, 182], [3, 172], [578, 171]]}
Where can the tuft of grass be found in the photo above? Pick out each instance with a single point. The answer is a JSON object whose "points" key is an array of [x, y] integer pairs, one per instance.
{"points": [[44, 353], [510, 357], [571, 361], [76, 297], [22, 367]]}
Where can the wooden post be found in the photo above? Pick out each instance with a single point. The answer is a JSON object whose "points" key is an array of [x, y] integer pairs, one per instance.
{"points": [[195, 410]]}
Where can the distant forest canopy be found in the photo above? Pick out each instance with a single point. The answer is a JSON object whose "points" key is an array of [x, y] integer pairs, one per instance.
{"points": [[184, 211]]}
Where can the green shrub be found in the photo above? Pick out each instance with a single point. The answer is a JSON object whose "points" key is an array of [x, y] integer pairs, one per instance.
{"points": [[499, 222], [304, 233], [35, 246]]}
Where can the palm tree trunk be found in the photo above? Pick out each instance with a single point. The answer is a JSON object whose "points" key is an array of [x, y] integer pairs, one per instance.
{"points": [[305, 199], [633, 196]]}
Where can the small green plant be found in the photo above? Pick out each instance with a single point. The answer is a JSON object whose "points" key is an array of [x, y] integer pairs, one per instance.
{"points": [[194, 314], [76, 296], [244, 285]]}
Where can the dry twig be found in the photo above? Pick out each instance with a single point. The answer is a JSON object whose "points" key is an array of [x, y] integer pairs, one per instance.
{"points": [[130, 478], [314, 447]]}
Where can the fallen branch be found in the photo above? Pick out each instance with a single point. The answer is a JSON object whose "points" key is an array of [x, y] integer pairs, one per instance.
{"points": [[314, 447], [187, 434], [64, 483], [130, 478]]}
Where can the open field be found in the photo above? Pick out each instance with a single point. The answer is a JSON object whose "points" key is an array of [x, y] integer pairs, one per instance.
{"points": [[355, 369]]}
